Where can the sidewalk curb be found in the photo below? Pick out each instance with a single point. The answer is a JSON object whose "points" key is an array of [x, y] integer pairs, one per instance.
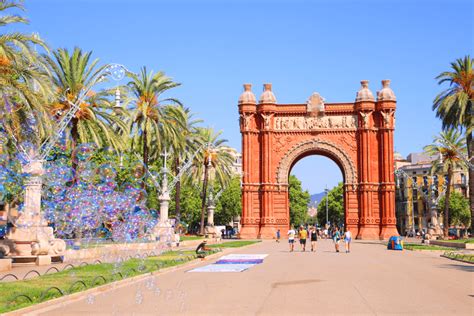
{"points": [[48, 305]]}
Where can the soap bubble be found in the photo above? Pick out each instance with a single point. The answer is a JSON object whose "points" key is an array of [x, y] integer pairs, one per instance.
{"points": [[84, 152], [90, 299], [107, 172]]}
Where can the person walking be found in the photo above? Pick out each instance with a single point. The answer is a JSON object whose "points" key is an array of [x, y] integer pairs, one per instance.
{"points": [[314, 238], [303, 234], [291, 238], [347, 240], [278, 235], [336, 237]]}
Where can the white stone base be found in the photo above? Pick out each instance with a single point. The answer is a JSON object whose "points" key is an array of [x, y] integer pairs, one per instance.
{"points": [[211, 232], [5, 264], [43, 260]]}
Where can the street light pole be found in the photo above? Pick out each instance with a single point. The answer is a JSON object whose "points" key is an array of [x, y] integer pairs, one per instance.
{"points": [[327, 197]]}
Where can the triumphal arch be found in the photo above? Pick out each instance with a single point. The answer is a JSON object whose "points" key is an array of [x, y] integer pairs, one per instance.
{"points": [[357, 136]]}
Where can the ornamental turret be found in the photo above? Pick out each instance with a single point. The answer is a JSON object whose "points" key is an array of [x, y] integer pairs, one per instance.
{"points": [[386, 94], [267, 96], [364, 94], [247, 97]]}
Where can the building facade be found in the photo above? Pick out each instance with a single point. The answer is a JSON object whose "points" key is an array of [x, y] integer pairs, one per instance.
{"points": [[418, 189]]}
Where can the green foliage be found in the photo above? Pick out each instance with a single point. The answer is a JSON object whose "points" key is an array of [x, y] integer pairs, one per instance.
{"points": [[299, 201], [229, 204], [190, 200], [454, 104], [459, 213], [335, 206]]}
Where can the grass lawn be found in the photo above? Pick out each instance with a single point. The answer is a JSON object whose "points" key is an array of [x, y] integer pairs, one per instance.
{"points": [[459, 256], [424, 247], [234, 244], [78, 279], [463, 241], [190, 237], [82, 278]]}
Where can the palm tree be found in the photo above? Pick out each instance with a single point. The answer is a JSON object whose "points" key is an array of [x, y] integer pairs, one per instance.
{"points": [[155, 123], [455, 107], [183, 149], [215, 156], [448, 146], [25, 86], [95, 121]]}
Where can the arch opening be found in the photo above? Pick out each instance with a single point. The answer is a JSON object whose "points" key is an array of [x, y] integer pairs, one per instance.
{"points": [[317, 173]]}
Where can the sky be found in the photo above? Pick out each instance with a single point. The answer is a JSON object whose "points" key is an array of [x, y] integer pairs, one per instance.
{"points": [[301, 47]]}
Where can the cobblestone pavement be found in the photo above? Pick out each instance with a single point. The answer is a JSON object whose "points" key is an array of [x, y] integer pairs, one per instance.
{"points": [[368, 281]]}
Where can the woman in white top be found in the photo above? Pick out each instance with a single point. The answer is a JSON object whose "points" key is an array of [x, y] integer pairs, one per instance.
{"points": [[347, 240], [291, 238]]}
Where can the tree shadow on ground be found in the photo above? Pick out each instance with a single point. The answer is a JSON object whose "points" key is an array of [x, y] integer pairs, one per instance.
{"points": [[458, 267]]}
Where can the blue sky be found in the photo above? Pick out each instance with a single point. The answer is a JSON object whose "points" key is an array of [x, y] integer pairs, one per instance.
{"points": [[213, 47]]}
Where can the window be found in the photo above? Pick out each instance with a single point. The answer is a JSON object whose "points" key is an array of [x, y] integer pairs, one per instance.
{"points": [[463, 179], [415, 207]]}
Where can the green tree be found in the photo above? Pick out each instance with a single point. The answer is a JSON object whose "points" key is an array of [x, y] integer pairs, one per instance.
{"points": [[212, 158], [448, 147], [183, 149], [25, 84], [455, 107], [299, 201], [459, 213], [155, 123], [95, 121], [190, 204], [335, 198], [229, 204]]}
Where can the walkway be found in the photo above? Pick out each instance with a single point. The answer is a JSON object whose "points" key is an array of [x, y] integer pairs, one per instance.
{"points": [[368, 281]]}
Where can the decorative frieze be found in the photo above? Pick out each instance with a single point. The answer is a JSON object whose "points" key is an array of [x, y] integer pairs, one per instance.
{"points": [[315, 122]]}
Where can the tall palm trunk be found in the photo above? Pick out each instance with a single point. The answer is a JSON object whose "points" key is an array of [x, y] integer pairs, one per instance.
{"points": [[74, 139], [204, 195], [177, 196], [145, 148], [470, 153], [446, 203]]}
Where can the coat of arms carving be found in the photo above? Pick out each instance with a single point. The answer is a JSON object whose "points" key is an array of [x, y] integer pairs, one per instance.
{"points": [[315, 105]]}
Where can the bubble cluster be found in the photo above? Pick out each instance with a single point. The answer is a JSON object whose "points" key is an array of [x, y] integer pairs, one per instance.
{"points": [[90, 202]]}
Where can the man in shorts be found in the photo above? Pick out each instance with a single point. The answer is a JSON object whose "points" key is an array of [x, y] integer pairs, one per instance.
{"points": [[291, 238], [303, 234]]}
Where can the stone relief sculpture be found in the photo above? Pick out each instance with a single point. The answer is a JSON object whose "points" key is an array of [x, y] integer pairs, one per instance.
{"points": [[266, 120], [245, 121], [386, 118], [365, 118], [315, 104], [311, 123]]}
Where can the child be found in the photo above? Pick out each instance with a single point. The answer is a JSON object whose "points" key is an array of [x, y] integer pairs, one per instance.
{"points": [[278, 235], [347, 240]]}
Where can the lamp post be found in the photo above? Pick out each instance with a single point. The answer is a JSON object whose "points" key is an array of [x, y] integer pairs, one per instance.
{"points": [[327, 204]]}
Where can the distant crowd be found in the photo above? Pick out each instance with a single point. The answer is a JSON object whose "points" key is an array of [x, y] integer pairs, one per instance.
{"points": [[313, 234]]}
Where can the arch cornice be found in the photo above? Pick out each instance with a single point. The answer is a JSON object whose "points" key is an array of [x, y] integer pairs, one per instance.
{"points": [[321, 146]]}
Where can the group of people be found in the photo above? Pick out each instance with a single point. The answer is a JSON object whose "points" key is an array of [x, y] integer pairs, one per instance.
{"points": [[312, 233]]}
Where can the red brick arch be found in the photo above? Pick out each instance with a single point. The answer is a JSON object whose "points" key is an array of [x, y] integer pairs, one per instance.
{"points": [[357, 136]]}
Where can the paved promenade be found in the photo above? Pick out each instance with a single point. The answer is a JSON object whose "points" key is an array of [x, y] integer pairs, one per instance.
{"points": [[368, 281]]}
